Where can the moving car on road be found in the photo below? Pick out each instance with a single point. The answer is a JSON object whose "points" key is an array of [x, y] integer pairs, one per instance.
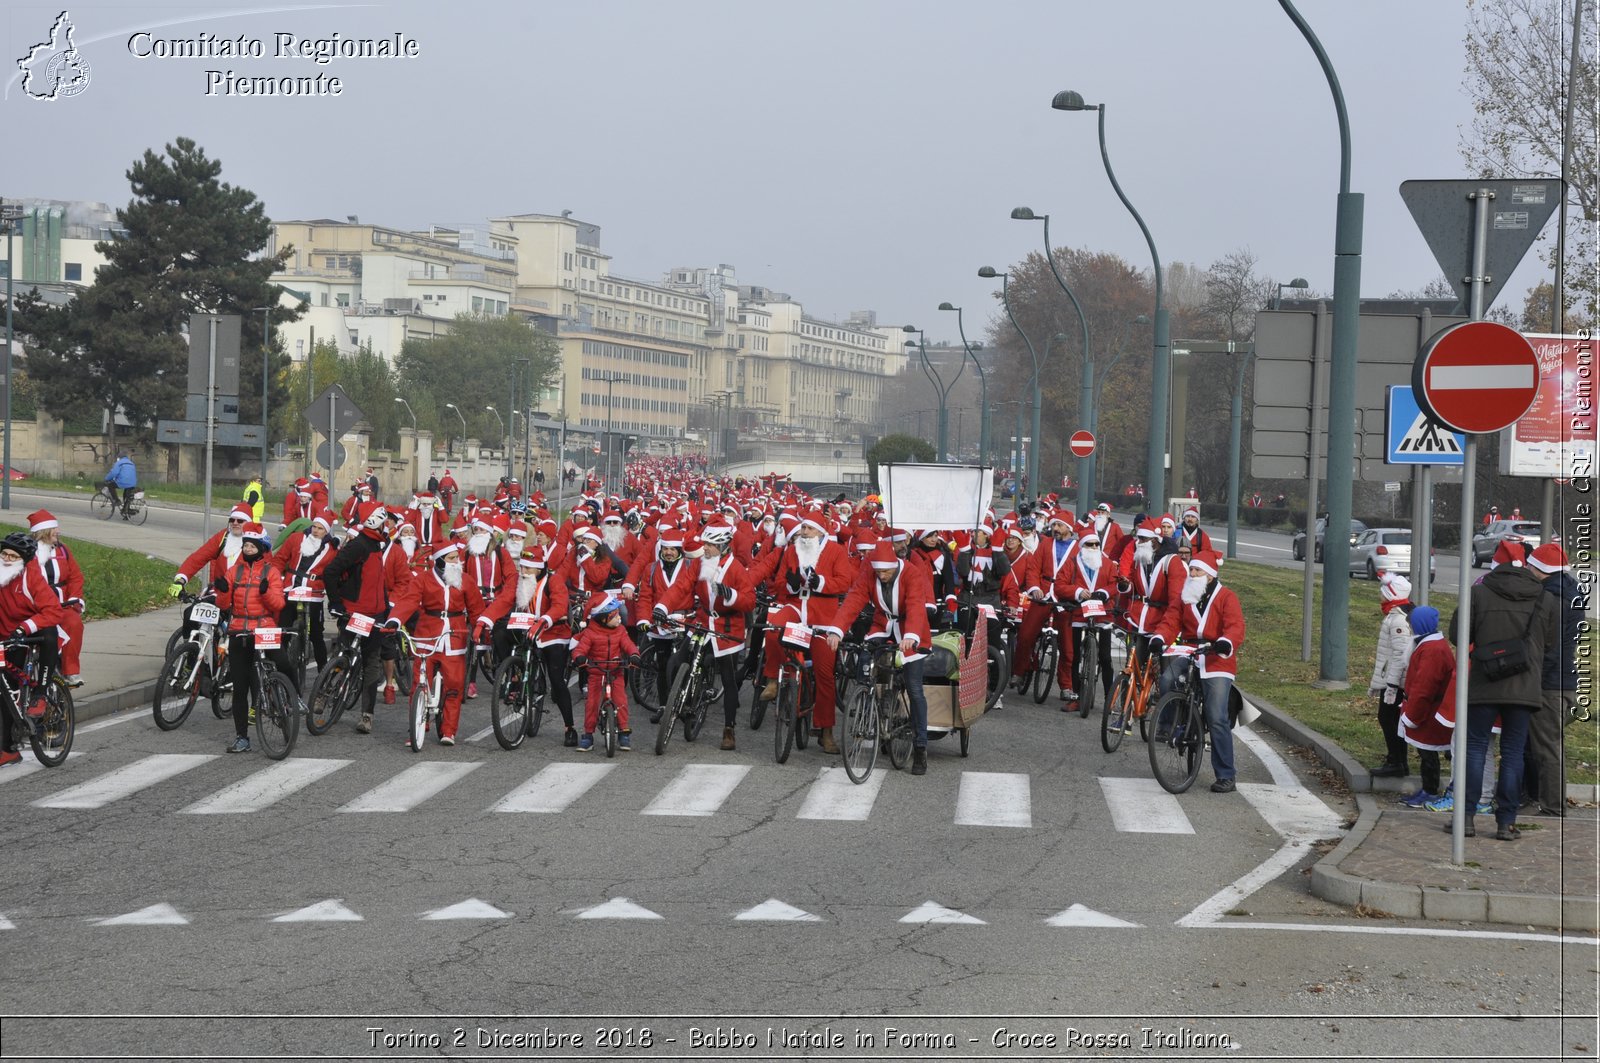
{"points": [[1356, 528], [1381, 550]]}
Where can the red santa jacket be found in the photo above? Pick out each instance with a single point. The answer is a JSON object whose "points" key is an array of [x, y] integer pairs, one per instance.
{"points": [[724, 614], [600, 644], [61, 572], [27, 602], [211, 553], [671, 586], [1155, 590], [901, 607], [1428, 717], [1075, 582], [835, 571], [545, 597], [443, 613], [492, 574], [303, 572], [1216, 616], [1048, 566]]}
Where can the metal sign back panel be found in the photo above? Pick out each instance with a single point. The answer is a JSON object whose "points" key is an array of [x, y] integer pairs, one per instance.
{"points": [[1443, 212], [228, 330], [347, 412]]}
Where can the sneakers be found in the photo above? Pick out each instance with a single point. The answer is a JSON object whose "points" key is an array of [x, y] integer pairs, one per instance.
{"points": [[770, 691], [73, 681], [586, 743], [1445, 802], [240, 745], [388, 693], [1222, 786], [1485, 808], [1418, 799], [655, 716], [625, 742], [447, 740], [9, 756], [825, 741], [919, 760], [571, 739], [727, 738], [364, 725], [472, 690]]}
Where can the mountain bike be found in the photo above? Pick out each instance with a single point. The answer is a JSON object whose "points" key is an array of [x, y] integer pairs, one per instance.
{"points": [[1094, 642], [755, 654], [520, 687], [1041, 671], [1130, 695], [878, 718], [132, 506], [193, 666], [300, 650], [797, 691], [1178, 732], [274, 706], [339, 684], [693, 687], [38, 702]]}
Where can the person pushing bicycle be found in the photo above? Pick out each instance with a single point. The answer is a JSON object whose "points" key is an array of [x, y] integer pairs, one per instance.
{"points": [[446, 607]]}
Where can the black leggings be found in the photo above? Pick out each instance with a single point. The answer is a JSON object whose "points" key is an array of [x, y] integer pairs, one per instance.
{"points": [[242, 672], [555, 657]]}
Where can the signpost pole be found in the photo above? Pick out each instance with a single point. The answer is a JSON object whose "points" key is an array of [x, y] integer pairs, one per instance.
{"points": [[1308, 583], [333, 435], [211, 420], [1422, 535], [311, 389]]}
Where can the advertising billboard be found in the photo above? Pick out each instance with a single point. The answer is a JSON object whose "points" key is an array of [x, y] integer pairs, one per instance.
{"points": [[1556, 437]]}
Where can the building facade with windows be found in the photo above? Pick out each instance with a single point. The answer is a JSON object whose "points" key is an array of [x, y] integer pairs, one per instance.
{"points": [[54, 241]]}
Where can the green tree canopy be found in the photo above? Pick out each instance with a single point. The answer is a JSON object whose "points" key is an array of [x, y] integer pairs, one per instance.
{"points": [[471, 367], [896, 448]]}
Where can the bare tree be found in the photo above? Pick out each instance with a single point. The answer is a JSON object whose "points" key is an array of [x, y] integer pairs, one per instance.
{"points": [[1518, 53]]}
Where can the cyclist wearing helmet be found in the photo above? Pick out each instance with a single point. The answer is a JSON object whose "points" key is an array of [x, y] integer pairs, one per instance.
{"points": [[605, 639], [362, 579], [723, 595], [27, 607]]}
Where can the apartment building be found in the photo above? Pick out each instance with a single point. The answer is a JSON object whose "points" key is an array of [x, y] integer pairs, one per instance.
{"points": [[54, 241]]}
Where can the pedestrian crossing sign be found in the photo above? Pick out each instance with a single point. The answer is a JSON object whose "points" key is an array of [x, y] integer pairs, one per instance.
{"points": [[1415, 440]]}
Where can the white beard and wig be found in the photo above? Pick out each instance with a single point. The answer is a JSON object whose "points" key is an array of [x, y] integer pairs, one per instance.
{"points": [[1194, 588], [807, 551], [613, 535]]}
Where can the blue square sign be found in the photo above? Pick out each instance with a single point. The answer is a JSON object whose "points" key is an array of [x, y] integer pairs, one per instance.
{"points": [[1415, 440]]}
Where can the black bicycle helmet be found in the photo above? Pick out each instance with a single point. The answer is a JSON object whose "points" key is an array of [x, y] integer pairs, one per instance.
{"points": [[22, 543]]}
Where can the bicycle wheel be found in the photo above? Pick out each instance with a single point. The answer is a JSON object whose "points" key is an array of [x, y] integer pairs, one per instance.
{"points": [[418, 724], [172, 642], [1088, 692], [700, 699], [220, 684], [1045, 655], [859, 750], [277, 716], [674, 705], [1144, 710], [509, 707], [999, 670], [608, 724], [758, 707], [138, 513], [300, 661], [642, 682], [899, 729], [100, 506], [177, 688], [1114, 717], [51, 736], [805, 698], [538, 688], [336, 687], [1176, 739], [783, 723]]}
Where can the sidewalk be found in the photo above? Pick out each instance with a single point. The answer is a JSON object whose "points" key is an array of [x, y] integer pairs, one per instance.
{"points": [[121, 660], [1396, 860]]}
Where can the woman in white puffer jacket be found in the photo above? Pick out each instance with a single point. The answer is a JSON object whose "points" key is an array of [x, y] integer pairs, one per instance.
{"points": [[1389, 670]]}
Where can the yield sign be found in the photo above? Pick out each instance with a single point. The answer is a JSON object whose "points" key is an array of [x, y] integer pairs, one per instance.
{"points": [[1082, 443], [1517, 215], [1477, 376]]}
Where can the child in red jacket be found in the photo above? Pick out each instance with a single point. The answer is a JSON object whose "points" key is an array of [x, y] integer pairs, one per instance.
{"points": [[605, 642]]}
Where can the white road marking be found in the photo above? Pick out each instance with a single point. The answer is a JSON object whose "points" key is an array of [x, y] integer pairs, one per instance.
{"points": [[1141, 806], [1292, 811], [1407, 931], [410, 788], [1276, 766], [155, 915], [481, 735], [994, 799], [113, 786], [776, 911], [332, 911], [834, 796], [1079, 915], [22, 768], [553, 789], [111, 721], [265, 788], [6, 924], [698, 790], [929, 912], [467, 909], [617, 908]]}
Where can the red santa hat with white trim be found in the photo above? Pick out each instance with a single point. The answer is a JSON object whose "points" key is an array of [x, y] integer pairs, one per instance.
{"points": [[1549, 558], [1206, 560], [42, 520]]}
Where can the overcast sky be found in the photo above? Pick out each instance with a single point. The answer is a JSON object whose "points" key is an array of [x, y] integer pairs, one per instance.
{"points": [[860, 154]]}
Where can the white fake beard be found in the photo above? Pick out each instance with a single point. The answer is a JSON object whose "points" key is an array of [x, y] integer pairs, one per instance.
{"points": [[1193, 589], [807, 551], [309, 546], [613, 534], [780, 539], [1091, 557], [9, 572], [1100, 524], [526, 585], [409, 545], [46, 552], [452, 575], [1144, 553], [231, 545], [477, 544], [769, 527], [514, 546], [709, 569]]}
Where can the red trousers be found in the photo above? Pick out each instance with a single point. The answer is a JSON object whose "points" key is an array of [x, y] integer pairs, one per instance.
{"points": [[455, 678], [597, 692], [71, 640], [822, 665], [1033, 621]]}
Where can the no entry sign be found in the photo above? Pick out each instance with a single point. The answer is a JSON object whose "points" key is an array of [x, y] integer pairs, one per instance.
{"points": [[1082, 444], [1477, 376]]}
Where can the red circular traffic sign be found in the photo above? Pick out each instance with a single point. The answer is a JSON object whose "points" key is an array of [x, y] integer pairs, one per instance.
{"points": [[1082, 443], [1476, 376]]}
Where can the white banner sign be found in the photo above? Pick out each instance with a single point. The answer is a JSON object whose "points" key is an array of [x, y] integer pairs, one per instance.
{"points": [[936, 496]]}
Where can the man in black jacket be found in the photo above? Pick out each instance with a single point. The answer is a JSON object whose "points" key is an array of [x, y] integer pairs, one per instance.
{"points": [[1544, 779], [1509, 607]]}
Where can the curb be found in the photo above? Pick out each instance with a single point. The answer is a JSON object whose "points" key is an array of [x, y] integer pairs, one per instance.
{"points": [[110, 702]]}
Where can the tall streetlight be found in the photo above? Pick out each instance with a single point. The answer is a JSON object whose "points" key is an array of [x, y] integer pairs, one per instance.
{"points": [[1032, 473], [1298, 282], [266, 352], [522, 399], [609, 379], [1161, 369], [505, 438], [941, 389], [9, 213], [452, 406], [983, 384], [415, 480], [1086, 384]]}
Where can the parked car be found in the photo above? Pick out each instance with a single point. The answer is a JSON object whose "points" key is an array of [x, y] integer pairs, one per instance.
{"points": [[1381, 550], [1299, 544], [1487, 539]]}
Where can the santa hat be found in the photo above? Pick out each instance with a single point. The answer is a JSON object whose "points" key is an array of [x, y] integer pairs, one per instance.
{"points": [[865, 543], [1206, 560], [547, 528], [1191, 511], [1089, 536], [1549, 558], [259, 534], [1104, 507], [1394, 587], [41, 520], [692, 546], [241, 512], [896, 535], [517, 529], [445, 551], [812, 522], [533, 557], [325, 518], [1148, 530], [789, 522], [408, 519], [612, 518], [1509, 553], [1166, 518], [501, 523], [883, 557], [669, 534], [481, 521], [460, 523], [586, 534]]}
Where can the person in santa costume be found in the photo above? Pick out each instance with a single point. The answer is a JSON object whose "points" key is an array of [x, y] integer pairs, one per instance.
{"points": [[1208, 613], [1088, 575], [301, 560], [1389, 670], [603, 643], [723, 594], [27, 607], [1190, 529], [430, 514], [1152, 580], [250, 593], [446, 607], [490, 570], [546, 598], [1428, 705], [448, 488], [1052, 559], [65, 578], [665, 590]]}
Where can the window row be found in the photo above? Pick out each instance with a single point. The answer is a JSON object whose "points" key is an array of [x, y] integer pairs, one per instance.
{"points": [[601, 349]]}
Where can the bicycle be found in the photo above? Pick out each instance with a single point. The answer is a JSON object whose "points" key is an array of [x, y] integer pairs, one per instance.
{"points": [[1041, 674], [610, 667], [1001, 630], [797, 691], [275, 707], [301, 652], [194, 665], [427, 695], [852, 664], [132, 507], [517, 706], [692, 688], [1097, 627], [339, 684], [878, 717], [1178, 734], [755, 655], [50, 732], [1130, 696]]}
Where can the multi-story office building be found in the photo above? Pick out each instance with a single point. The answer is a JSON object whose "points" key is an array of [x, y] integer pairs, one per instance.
{"points": [[54, 241]]}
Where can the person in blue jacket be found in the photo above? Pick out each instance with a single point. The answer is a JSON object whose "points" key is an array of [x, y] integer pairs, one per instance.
{"points": [[123, 475]]}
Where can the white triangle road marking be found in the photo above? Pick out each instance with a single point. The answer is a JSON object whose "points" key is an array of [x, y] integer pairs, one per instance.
{"points": [[330, 911], [617, 908], [156, 915], [471, 908], [1078, 915], [938, 913], [776, 911], [6, 924]]}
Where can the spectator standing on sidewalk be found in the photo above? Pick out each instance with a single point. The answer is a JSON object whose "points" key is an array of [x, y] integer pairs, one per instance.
{"points": [[1544, 779], [1389, 671], [1429, 710], [1513, 620]]}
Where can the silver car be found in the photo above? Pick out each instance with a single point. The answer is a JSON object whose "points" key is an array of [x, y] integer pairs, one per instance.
{"points": [[1380, 550], [1487, 541]]}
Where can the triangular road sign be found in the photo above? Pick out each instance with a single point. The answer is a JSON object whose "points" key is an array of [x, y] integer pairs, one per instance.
{"points": [[1426, 437], [1517, 215]]}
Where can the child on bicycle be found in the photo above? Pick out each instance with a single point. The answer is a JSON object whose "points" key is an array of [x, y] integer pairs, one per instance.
{"points": [[605, 640]]}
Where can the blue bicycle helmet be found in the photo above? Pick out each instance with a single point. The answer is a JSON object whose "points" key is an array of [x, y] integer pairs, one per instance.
{"points": [[609, 605], [1027, 524]]}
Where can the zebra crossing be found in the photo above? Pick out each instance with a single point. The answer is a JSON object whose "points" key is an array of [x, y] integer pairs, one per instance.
{"points": [[978, 799]]}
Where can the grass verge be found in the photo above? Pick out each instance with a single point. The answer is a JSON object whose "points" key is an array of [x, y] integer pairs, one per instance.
{"points": [[221, 494], [1270, 664], [116, 582]]}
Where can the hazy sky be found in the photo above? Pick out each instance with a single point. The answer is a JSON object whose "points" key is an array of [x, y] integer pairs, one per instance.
{"points": [[861, 154]]}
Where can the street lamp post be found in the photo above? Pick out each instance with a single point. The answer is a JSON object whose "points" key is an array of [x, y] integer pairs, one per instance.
{"points": [[266, 353], [414, 449], [452, 406], [505, 437], [983, 385], [1161, 370], [1298, 282], [941, 389], [9, 213], [1032, 472], [609, 379]]}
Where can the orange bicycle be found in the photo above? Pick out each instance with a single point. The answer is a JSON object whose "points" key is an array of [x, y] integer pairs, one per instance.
{"points": [[1131, 696]]}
